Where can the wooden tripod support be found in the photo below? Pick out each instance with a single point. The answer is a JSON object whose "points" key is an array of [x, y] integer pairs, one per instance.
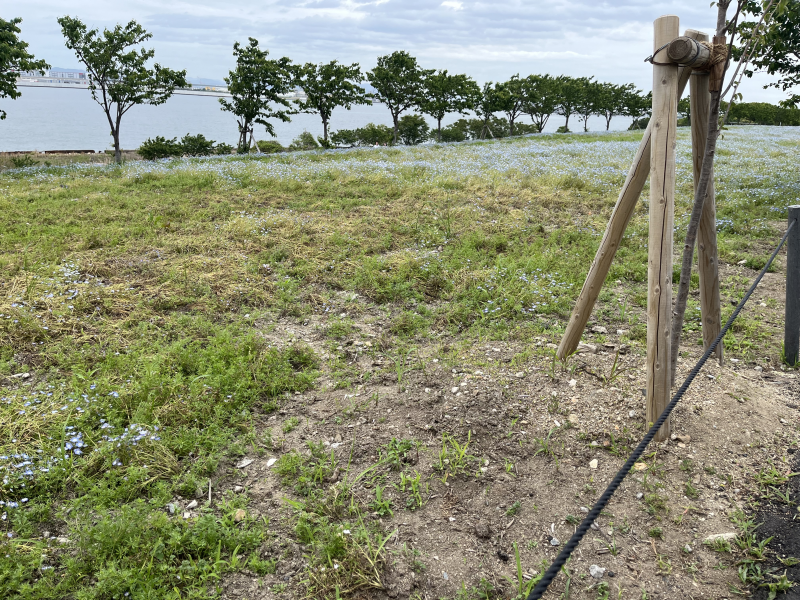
{"points": [[656, 155]]}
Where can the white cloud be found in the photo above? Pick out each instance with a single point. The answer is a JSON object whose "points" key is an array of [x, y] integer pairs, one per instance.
{"points": [[488, 40]]}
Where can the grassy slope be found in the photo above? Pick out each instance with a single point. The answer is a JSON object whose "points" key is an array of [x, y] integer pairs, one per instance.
{"points": [[130, 293]]}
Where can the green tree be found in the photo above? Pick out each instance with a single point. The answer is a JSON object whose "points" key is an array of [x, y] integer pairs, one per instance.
{"points": [[510, 99], [445, 93], [399, 83], [328, 86], [638, 106], [14, 57], [540, 94], [119, 77], [777, 50], [570, 93], [486, 104], [685, 109], [413, 129], [611, 101], [589, 100], [256, 86]]}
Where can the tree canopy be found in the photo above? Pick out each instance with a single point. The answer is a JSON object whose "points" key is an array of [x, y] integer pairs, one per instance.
{"points": [[540, 97], [445, 93], [510, 99], [330, 85], [399, 83], [777, 50], [256, 84], [119, 77], [14, 57]]}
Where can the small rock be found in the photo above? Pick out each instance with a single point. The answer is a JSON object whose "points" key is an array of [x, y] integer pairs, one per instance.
{"points": [[593, 463], [622, 332], [640, 466], [683, 439], [239, 515], [784, 421], [62, 540], [599, 329], [554, 541], [729, 536], [584, 509], [244, 462], [187, 515], [45, 534], [631, 414], [553, 346], [483, 530], [596, 571], [639, 496], [574, 419], [337, 438], [502, 556], [687, 548], [741, 262], [271, 462], [587, 348], [446, 577], [238, 489], [759, 369], [572, 383], [171, 508], [453, 390], [520, 374], [191, 505]]}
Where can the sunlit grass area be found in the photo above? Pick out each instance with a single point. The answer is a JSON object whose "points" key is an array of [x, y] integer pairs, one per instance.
{"points": [[136, 304]]}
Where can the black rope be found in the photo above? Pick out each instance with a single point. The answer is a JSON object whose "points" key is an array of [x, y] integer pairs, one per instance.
{"points": [[573, 542]]}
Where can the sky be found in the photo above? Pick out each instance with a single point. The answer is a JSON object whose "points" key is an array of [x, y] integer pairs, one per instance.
{"points": [[489, 41]]}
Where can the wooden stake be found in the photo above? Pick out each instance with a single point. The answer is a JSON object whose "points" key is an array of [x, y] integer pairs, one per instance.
{"points": [[662, 217], [700, 104], [620, 217], [685, 51]]}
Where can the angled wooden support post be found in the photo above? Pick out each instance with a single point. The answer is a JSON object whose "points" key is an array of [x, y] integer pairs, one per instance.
{"points": [[700, 104], [662, 218], [620, 217]]}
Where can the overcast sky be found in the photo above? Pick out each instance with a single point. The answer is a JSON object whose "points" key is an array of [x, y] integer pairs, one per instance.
{"points": [[488, 40]]}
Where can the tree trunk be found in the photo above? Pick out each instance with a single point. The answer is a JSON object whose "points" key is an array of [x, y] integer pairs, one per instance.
{"points": [[608, 121], [566, 123], [511, 126], [396, 127], [440, 129], [117, 151], [325, 130], [701, 190]]}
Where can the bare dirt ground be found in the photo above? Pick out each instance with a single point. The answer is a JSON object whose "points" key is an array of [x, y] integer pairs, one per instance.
{"points": [[543, 442]]}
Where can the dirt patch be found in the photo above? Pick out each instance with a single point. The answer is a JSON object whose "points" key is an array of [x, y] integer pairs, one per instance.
{"points": [[540, 445]]}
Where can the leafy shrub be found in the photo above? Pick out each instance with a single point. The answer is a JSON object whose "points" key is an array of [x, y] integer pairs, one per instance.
{"points": [[412, 129], [223, 148], [565, 129], [304, 141], [23, 161], [369, 135], [453, 133], [197, 145], [270, 146], [160, 148], [344, 137], [639, 123]]}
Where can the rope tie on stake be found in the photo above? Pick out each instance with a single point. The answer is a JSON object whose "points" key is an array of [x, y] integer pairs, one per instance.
{"points": [[719, 54]]}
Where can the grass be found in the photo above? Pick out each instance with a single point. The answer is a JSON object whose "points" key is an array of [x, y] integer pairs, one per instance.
{"points": [[141, 300]]}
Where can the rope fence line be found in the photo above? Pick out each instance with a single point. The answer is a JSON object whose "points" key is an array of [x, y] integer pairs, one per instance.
{"points": [[569, 547]]}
